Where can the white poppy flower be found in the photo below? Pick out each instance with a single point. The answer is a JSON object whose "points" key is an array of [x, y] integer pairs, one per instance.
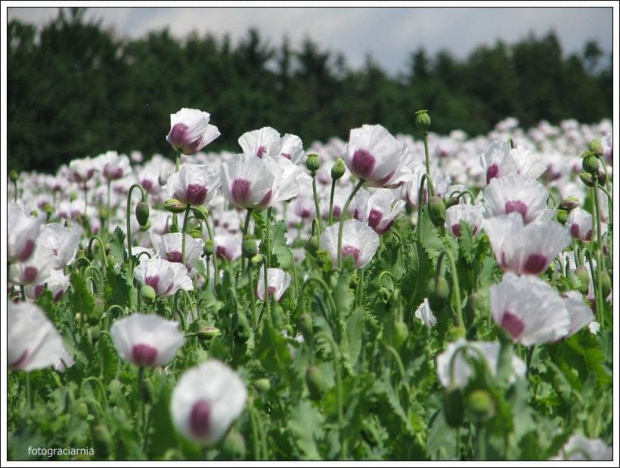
{"points": [[190, 130], [278, 282], [358, 241], [165, 277]]}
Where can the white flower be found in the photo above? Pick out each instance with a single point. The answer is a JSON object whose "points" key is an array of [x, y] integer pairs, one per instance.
{"points": [[499, 160], [520, 194], [35, 270], [113, 166], [57, 283], [247, 182], [146, 340], [194, 184], [579, 223], [425, 314], [206, 401], [529, 309], [190, 130], [358, 241], [171, 246], [580, 448], [62, 241], [23, 233], [455, 372], [378, 209], [227, 246], [278, 283], [33, 342], [165, 277], [258, 142], [579, 313], [471, 214]]}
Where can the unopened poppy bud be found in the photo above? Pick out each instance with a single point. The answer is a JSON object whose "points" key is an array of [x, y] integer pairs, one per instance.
{"points": [[114, 388], [209, 332], [102, 440], [249, 247], [401, 332], [316, 382], [208, 248], [257, 260], [312, 245], [14, 176], [305, 326], [596, 147], [476, 299], [338, 169], [605, 283], [262, 385], [174, 206], [437, 211], [34, 213], [148, 294], [438, 291], [142, 213], [81, 410], [422, 120], [590, 164], [569, 204], [453, 407], [452, 201], [561, 216], [242, 326], [200, 212], [481, 405], [313, 163], [586, 179], [233, 446], [583, 276]]}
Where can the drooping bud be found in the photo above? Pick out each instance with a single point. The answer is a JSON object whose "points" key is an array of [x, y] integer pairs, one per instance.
{"points": [[102, 441], [313, 163], [14, 176], [583, 276], [174, 206], [422, 120], [208, 248], [481, 405], [596, 147], [208, 332], [316, 382], [248, 247], [586, 179], [453, 407], [569, 204], [81, 410], [142, 213], [338, 169], [148, 294], [324, 259], [195, 233], [477, 301], [590, 164], [233, 446], [241, 326], [605, 283], [438, 291], [401, 332], [257, 260], [455, 333], [200, 212], [312, 246], [305, 326], [437, 211]]}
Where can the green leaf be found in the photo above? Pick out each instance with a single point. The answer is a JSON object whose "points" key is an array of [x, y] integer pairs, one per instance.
{"points": [[306, 426], [117, 244], [355, 330], [466, 242], [81, 302], [430, 239]]}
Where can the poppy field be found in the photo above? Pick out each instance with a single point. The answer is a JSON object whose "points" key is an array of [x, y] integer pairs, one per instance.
{"points": [[388, 297]]}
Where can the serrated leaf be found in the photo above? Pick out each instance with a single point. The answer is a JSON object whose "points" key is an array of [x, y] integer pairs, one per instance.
{"points": [[430, 239], [81, 302], [306, 428], [466, 242], [279, 250], [355, 330], [117, 244]]}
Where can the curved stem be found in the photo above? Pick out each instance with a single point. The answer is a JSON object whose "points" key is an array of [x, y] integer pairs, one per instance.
{"points": [[331, 202], [423, 179], [342, 216], [316, 203], [99, 384], [251, 294], [428, 165], [184, 233], [599, 263], [455, 284], [103, 255], [128, 216], [328, 294]]}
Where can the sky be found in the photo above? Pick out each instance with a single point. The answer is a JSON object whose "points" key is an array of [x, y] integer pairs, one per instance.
{"points": [[388, 34]]}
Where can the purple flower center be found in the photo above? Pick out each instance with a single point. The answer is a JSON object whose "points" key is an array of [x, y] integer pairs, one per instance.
{"points": [[535, 264], [152, 281], [492, 172], [374, 218], [350, 250], [286, 155], [26, 251], [178, 135], [456, 230], [113, 174], [220, 251], [260, 151], [264, 203], [174, 257], [143, 354], [29, 275], [199, 419], [512, 324], [17, 365], [337, 211], [240, 191], [518, 206], [271, 290], [195, 194], [362, 163], [147, 184], [574, 230], [386, 179]]}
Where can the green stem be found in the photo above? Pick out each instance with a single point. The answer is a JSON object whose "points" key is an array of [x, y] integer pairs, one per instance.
{"points": [[28, 392], [423, 179], [251, 294], [109, 217], [141, 391], [481, 442], [103, 255], [215, 265], [455, 284], [343, 215], [530, 355], [599, 262], [183, 234], [85, 200], [331, 202], [316, 203], [360, 287], [15, 194], [99, 384], [128, 216], [328, 294], [428, 165], [246, 226]]}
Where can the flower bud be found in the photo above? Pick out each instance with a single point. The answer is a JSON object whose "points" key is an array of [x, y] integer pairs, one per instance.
{"points": [[438, 291], [208, 332], [147, 390], [200, 212], [142, 213], [316, 382], [596, 147], [453, 407], [208, 248], [569, 204], [257, 260], [481, 405], [422, 120], [81, 410], [305, 326], [14, 176], [241, 326], [338, 169], [248, 247], [452, 201], [455, 333], [605, 283], [102, 441], [114, 388], [477, 301], [262, 385], [586, 179], [148, 294], [233, 446], [313, 163], [312, 246], [561, 216], [437, 211], [401, 332], [590, 164], [174, 206]]}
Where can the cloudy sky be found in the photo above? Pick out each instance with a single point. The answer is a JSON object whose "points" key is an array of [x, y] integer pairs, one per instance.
{"points": [[388, 34]]}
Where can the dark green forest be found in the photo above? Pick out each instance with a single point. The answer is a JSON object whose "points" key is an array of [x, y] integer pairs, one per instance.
{"points": [[76, 89]]}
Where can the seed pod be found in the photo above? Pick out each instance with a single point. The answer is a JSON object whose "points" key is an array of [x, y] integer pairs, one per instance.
{"points": [[142, 213], [174, 206], [605, 283], [316, 382], [569, 204], [233, 446], [422, 120], [102, 441], [208, 333], [590, 164], [481, 405], [453, 407], [248, 247], [313, 163], [561, 216], [338, 169], [262, 385], [596, 147], [208, 248], [437, 211]]}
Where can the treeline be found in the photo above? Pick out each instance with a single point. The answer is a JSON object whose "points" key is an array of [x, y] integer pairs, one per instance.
{"points": [[76, 89]]}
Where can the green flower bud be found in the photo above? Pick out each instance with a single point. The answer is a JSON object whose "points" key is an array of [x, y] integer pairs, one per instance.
{"points": [[437, 211], [14, 176], [305, 326], [241, 327], [102, 441], [605, 283], [249, 247], [73, 196], [233, 446], [208, 248], [316, 382], [455, 333], [142, 213], [338, 169], [174, 206], [257, 260], [590, 164], [569, 204], [477, 301], [208, 333], [200, 212], [401, 332], [34, 213], [312, 246], [422, 120], [586, 179], [313, 163], [147, 390], [561, 216], [481, 405], [115, 388], [148, 294], [81, 409], [438, 291], [596, 147], [452, 201], [277, 316], [453, 407], [582, 274], [262, 385]]}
